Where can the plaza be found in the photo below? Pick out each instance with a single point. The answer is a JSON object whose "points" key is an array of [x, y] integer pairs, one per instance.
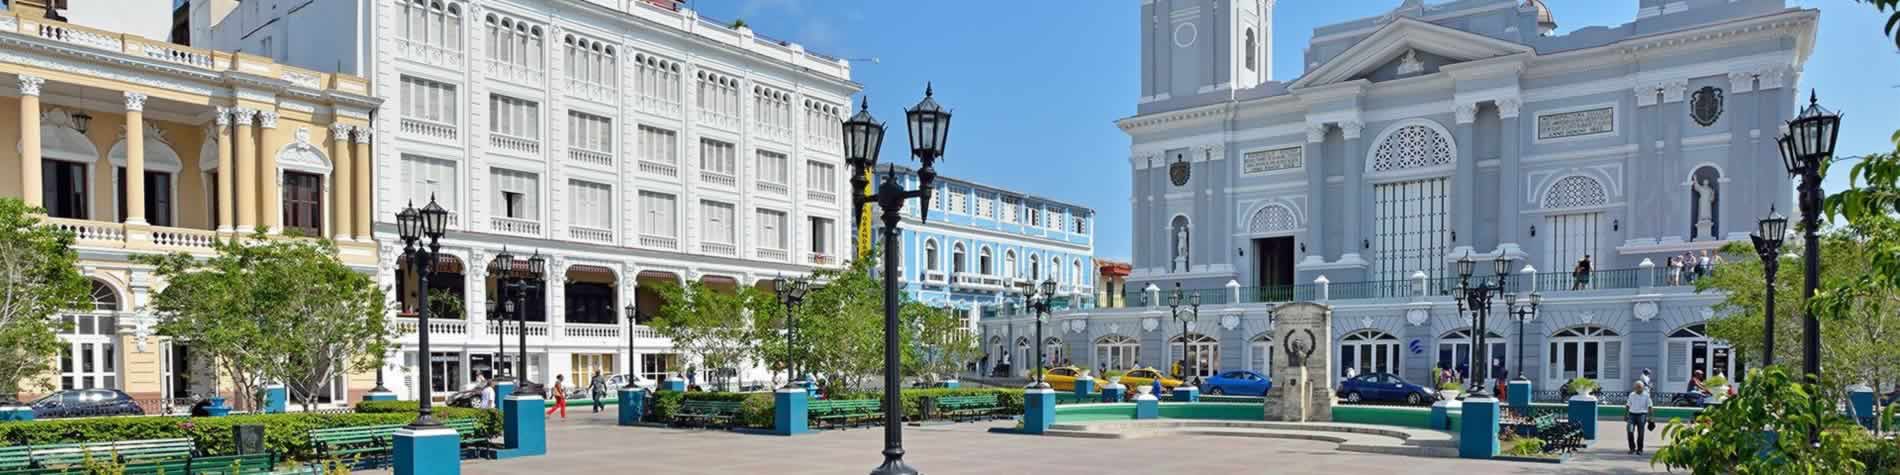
{"points": [[591, 443]]}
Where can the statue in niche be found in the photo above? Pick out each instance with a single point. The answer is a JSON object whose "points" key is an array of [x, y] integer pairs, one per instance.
{"points": [[1706, 196], [1180, 261]]}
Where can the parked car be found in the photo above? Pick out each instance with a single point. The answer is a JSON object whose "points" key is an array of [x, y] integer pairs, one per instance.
{"points": [[1246, 382], [86, 403], [1146, 377], [1063, 378], [1383, 387]]}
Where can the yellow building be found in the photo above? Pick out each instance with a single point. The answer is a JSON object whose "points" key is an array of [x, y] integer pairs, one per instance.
{"points": [[219, 142]]}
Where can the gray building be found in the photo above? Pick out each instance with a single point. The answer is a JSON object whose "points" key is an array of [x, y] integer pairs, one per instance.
{"points": [[1470, 128]]}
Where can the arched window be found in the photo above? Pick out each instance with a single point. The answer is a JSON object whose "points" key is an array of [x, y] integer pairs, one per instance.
{"points": [[1569, 237], [1203, 354], [1369, 351], [1411, 216], [1260, 354], [1076, 277], [1690, 349], [657, 81], [1009, 264], [983, 262], [957, 258], [104, 297], [931, 261], [1025, 358], [1055, 269], [1117, 352], [1587, 351], [1454, 352], [88, 357], [1250, 50], [1053, 352], [1273, 219], [1035, 269]]}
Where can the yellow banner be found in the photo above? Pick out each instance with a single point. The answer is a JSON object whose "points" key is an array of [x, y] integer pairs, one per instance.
{"points": [[864, 232]]}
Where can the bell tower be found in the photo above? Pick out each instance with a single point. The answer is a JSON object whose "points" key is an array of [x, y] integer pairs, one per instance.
{"points": [[1192, 47]]}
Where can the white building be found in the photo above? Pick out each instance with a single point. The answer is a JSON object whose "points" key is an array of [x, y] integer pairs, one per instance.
{"points": [[630, 142]]}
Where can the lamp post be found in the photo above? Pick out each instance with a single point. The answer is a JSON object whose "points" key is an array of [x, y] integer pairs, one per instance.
{"points": [[413, 225], [632, 311], [1768, 239], [1039, 303], [1194, 313], [929, 126], [790, 294], [519, 282], [1522, 314], [1478, 300], [501, 334], [1805, 150]]}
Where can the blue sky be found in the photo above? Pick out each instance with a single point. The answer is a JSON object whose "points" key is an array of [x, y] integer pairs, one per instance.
{"points": [[1037, 85]]}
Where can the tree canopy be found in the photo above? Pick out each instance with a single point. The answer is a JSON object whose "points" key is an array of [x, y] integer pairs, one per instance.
{"points": [[38, 280]]}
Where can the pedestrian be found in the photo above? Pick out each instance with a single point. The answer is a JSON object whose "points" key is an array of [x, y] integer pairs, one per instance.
{"points": [[488, 396], [560, 396], [1639, 422], [1580, 276], [598, 389], [1704, 265], [1675, 270], [1689, 266], [1645, 377]]}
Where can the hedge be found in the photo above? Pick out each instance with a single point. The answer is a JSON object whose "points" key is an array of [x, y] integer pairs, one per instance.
{"points": [[757, 408], [286, 434], [1011, 399]]}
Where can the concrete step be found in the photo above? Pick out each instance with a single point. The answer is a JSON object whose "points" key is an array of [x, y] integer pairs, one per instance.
{"points": [[1350, 437]]}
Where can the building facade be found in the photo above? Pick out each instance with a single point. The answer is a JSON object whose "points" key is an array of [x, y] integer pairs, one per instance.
{"points": [[629, 143], [220, 143], [1431, 133]]}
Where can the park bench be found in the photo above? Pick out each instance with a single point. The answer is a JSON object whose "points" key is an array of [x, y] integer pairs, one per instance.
{"points": [[1560, 437], [468, 429], [971, 407], [846, 412], [246, 464], [15, 456], [123, 452], [372, 443], [704, 413]]}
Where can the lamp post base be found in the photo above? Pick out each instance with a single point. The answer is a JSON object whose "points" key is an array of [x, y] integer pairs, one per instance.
{"points": [[894, 466]]}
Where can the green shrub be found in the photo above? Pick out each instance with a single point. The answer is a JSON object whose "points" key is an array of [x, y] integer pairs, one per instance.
{"points": [[1582, 385], [490, 419], [287, 434], [1011, 399], [758, 410], [1715, 381], [1449, 386], [665, 404], [1525, 447], [1113, 373]]}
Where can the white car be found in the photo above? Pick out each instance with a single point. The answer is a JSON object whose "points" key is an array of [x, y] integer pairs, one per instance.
{"points": [[614, 383]]}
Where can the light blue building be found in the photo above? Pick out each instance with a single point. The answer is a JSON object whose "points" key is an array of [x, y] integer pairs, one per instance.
{"points": [[983, 245], [1435, 132]]}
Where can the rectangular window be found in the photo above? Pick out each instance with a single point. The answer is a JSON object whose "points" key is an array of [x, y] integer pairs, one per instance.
{"points": [[986, 205], [717, 157], [820, 235], [1411, 223], [428, 100], [513, 117], [1035, 214], [1081, 225], [158, 197], [64, 189], [517, 194], [772, 232], [303, 203], [659, 145], [772, 167], [821, 177], [717, 220], [1011, 207], [659, 214], [590, 204], [1055, 219], [590, 132], [427, 178], [959, 200]]}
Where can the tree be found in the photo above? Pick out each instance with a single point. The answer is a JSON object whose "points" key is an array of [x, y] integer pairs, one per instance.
{"points": [[283, 310], [446, 303], [38, 280], [943, 344], [1728, 438], [713, 329], [1893, 20]]}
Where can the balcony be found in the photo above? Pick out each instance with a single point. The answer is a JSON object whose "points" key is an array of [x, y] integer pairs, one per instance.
{"points": [[659, 169], [721, 179], [821, 259], [515, 73], [718, 248], [521, 145], [590, 157], [659, 242], [514, 226], [409, 326], [934, 276], [772, 254], [430, 54], [821, 196], [774, 188], [583, 233], [978, 281], [430, 130]]}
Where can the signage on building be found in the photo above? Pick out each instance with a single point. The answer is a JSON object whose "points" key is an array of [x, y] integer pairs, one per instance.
{"points": [[1257, 162], [1576, 123]]}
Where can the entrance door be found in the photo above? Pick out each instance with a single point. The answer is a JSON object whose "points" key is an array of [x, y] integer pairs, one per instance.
{"points": [[1587, 352], [1273, 268]]}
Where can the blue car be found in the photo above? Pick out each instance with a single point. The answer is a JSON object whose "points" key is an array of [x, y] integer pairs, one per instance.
{"points": [[1243, 382], [1386, 387]]}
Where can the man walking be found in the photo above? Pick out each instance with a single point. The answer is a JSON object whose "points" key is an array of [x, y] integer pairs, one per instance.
{"points": [[598, 390]]}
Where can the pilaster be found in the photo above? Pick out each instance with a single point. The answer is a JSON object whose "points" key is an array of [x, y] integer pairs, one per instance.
{"points": [[1510, 171], [1352, 215], [134, 158], [1464, 182], [1315, 194]]}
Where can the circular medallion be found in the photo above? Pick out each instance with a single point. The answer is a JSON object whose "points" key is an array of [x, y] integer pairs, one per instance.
{"points": [[1184, 34]]}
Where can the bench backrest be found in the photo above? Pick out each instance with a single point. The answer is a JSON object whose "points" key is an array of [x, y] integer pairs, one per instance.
{"points": [[709, 404], [353, 435], [971, 399], [846, 404]]}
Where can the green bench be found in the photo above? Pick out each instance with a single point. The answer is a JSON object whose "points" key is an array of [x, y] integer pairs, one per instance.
{"points": [[969, 407], [698, 412], [376, 442], [15, 456], [846, 412], [124, 452], [247, 464]]}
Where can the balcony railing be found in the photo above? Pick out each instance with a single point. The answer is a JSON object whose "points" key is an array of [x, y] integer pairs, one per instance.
{"points": [[819, 258], [519, 74], [590, 157], [90, 230], [514, 226], [430, 54], [186, 238], [510, 328], [1545, 283], [719, 248], [773, 188], [429, 129], [515, 144], [409, 326], [659, 169], [643, 331], [590, 234], [978, 281], [590, 330], [772, 254], [821, 196], [659, 242], [591, 90], [934, 276], [720, 179]]}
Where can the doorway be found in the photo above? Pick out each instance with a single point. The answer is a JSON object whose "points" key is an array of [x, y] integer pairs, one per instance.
{"points": [[1273, 268]]}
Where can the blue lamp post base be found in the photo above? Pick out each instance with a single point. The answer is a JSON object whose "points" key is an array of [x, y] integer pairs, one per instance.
{"points": [[789, 416], [432, 451], [632, 405], [523, 427], [1039, 410], [1478, 431]]}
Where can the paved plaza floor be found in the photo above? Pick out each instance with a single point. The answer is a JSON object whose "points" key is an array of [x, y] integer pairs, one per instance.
{"points": [[588, 443]]}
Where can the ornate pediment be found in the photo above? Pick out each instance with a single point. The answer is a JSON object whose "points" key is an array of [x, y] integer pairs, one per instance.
{"points": [[1404, 41]]}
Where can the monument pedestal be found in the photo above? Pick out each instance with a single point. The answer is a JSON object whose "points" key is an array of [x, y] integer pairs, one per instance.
{"points": [[1583, 411], [1302, 390], [1113, 392], [1084, 388], [1039, 410], [1147, 406], [1518, 391]]}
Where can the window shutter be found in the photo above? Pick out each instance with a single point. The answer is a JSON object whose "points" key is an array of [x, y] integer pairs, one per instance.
{"points": [[1678, 361], [1612, 360]]}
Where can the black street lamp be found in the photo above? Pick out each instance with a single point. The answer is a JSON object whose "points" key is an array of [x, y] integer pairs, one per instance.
{"points": [[790, 294], [929, 126], [632, 311], [1805, 150], [1768, 240], [1194, 313], [1522, 314], [518, 281], [1039, 303], [1478, 301], [413, 225], [501, 335]]}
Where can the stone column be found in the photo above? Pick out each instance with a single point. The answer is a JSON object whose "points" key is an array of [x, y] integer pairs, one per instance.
{"points": [[226, 169], [362, 227], [30, 179], [134, 158], [1510, 186], [270, 201], [246, 172], [1675, 116], [342, 180], [1351, 214], [1315, 194], [1464, 182]]}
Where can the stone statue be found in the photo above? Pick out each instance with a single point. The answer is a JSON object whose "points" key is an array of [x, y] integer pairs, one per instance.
{"points": [[1297, 351], [1180, 248], [1705, 208]]}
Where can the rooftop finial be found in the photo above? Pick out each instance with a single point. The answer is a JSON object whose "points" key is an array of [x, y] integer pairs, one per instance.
{"points": [[927, 88]]}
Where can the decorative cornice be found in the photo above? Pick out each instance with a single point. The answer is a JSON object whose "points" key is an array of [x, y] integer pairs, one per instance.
{"points": [[267, 119], [134, 102], [30, 85], [1202, 112], [1508, 108]]}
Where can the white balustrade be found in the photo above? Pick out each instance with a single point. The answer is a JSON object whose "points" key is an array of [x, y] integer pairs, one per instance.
{"points": [[660, 169], [773, 188], [590, 330], [722, 249], [514, 226], [659, 242], [90, 230], [186, 238], [772, 254], [429, 129], [590, 234], [718, 179], [821, 196], [590, 157], [515, 144]]}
